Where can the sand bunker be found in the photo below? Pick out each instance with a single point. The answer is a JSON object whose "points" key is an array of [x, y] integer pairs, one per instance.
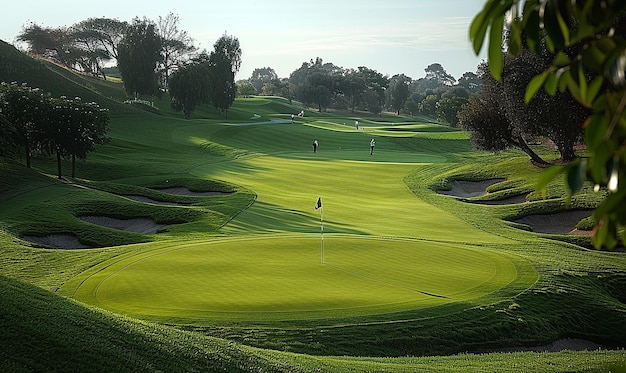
{"points": [[563, 222], [136, 225], [56, 241], [504, 201], [182, 191], [469, 189], [143, 199]]}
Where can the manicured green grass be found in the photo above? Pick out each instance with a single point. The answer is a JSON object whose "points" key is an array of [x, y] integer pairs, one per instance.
{"points": [[281, 278]]}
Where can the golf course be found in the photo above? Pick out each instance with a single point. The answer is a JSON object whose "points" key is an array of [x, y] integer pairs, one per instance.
{"points": [[199, 245]]}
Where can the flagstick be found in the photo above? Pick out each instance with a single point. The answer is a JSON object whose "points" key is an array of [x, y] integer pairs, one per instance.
{"points": [[322, 231]]}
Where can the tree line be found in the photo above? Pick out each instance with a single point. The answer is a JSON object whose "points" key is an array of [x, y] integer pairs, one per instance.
{"points": [[323, 85]]}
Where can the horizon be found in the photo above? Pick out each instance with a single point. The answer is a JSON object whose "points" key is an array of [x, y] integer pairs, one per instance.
{"points": [[397, 37]]}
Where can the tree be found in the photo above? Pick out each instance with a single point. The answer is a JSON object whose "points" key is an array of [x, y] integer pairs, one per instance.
{"points": [[224, 61], [595, 76], [470, 81], [436, 73], [98, 39], [104, 33], [245, 89], [189, 87], [262, 76], [72, 129], [398, 91], [24, 107], [139, 54], [8, 137], [447, 109], [176, 45]]}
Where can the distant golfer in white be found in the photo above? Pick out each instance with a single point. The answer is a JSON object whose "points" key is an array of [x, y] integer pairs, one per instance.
{"points": [[372, 143]]}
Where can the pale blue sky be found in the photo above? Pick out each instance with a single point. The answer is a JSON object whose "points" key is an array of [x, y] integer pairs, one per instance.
{"points": [[390, 36]]}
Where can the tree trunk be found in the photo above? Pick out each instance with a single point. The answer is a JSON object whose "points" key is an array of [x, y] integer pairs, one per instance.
{"points": [[59, 174], [73, 165], [534, 157], [27, 147]]}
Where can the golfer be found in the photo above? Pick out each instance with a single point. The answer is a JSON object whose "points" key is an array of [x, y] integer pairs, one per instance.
{"points": [[315, 144], [372, 143]]}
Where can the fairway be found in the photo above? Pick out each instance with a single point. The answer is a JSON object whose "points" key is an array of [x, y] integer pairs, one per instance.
{"points": [[282, 278]]}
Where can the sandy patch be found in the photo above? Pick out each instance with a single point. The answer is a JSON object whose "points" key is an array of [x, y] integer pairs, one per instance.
{"points": [[504, 201], [143, 199], [136, 225], [56, 241], [563, 222], [182, 191], [469, 189]]}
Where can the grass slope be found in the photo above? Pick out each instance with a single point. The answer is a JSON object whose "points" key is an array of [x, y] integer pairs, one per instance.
{"points": [[371, 204]]}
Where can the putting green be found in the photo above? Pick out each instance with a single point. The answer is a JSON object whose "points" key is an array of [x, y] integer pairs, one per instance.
{"points": [[259, 279]]}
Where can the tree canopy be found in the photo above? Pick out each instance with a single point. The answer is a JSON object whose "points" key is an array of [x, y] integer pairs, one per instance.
{"points": [[595, 75], [139, 56]]}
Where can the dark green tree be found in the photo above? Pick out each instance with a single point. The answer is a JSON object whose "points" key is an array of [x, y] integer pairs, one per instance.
{"points": [[436, 73], [190, 87], [139, 54], [25, 108], [224, 61], [398, 92], [262, 76]]}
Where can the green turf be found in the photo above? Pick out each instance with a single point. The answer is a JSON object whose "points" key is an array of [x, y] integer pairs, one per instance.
{"points": [[281, 278]]}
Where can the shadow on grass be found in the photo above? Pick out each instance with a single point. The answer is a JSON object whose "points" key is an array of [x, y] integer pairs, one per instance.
{"points": [[269, 218]]}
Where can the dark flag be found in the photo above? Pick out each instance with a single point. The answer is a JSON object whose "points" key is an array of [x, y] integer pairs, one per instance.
{"points": [[318, 205]]}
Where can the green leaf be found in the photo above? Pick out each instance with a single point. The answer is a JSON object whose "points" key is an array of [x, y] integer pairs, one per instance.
{"points": [[576, 176], [534, 85], [594, 89], [551, 84], [546, 178], [561, 60], [495, 47], [478, 30]]}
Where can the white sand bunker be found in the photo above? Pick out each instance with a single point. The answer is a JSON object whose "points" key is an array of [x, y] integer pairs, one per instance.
{"points": [[56, 241], [469, 189], [563, 222], [135, 225], [182, 191], [143, 199]]}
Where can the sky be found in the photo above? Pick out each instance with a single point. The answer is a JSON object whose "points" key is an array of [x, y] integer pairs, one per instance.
{"points": [[389, 36]]}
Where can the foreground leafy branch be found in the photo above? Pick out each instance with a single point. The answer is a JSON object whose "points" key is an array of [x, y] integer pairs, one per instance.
{"points": [[595, 75]]}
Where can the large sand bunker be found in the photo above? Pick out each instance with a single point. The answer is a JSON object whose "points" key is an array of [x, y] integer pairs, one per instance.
{"points": [[56, 241], [563, 222], [182, 191], [469, 189], [135, 225], [143, 199]]}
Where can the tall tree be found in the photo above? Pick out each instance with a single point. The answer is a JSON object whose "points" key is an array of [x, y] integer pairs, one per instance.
{"points": [[436, 73], [262, 76], [398, 92], [224, 62], [176, 46], [99, 39], [190, 87], [25, 108], [139, 54]]}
